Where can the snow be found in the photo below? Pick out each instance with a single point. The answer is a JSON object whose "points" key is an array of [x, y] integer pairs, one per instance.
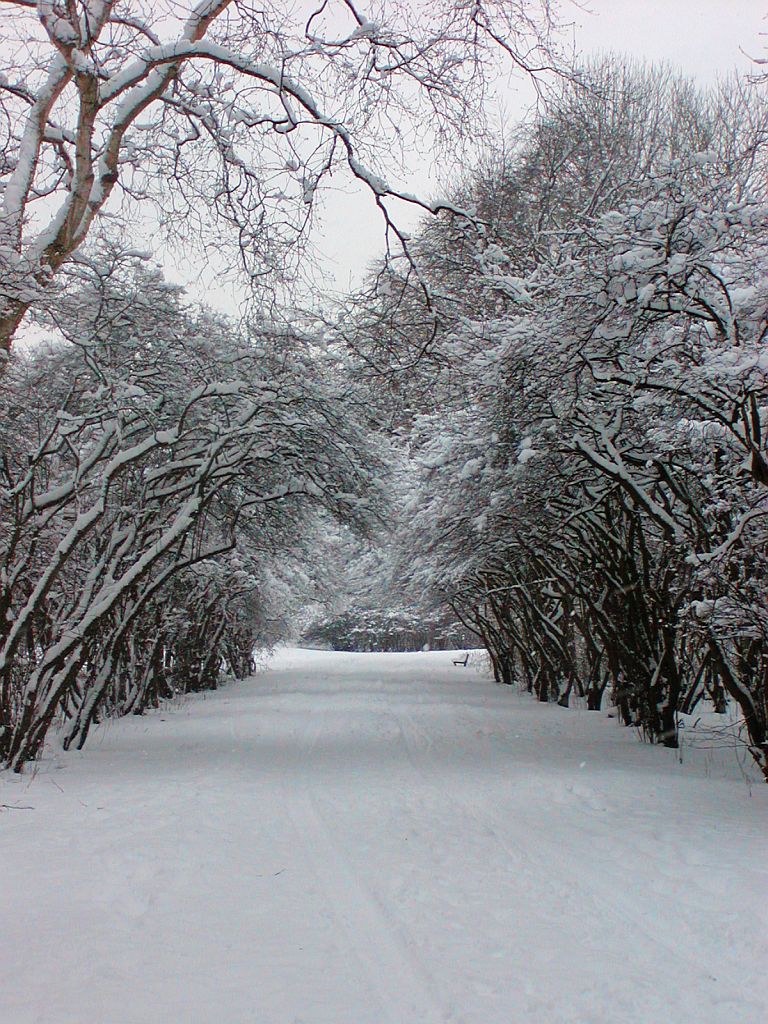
{"points": [[381, 839], [366, 30]]}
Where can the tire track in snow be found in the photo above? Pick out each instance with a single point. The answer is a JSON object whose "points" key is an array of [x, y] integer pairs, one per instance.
{"points": [[385, 961]]}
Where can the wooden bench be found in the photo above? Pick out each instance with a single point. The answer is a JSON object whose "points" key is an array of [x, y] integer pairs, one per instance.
{"points": [[462, 661]]}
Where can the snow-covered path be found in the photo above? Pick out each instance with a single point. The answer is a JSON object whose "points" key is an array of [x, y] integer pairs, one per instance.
{"points": [[380, 839]]}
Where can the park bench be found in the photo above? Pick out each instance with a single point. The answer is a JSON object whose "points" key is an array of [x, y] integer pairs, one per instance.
{"points": [[462, 661]]}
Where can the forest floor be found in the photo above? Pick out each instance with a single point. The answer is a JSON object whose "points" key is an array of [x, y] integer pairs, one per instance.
{"points": [[382, 839]]}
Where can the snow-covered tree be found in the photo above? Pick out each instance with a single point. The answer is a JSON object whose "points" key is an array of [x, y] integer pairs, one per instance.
{"points": [[594, 503], [157, 441], [224, 115]]}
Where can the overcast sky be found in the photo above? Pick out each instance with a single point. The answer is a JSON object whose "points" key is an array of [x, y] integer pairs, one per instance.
{"points": [[703, 38]]}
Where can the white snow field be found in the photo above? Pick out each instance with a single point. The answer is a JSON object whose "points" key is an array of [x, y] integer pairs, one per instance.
{"points": [[381, 839]]}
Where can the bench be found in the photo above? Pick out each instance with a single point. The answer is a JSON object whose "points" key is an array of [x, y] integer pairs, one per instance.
{"points": [[462, 661]]}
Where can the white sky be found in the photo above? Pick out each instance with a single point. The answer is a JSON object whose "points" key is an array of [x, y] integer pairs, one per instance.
{"points": [[704, 38]]}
